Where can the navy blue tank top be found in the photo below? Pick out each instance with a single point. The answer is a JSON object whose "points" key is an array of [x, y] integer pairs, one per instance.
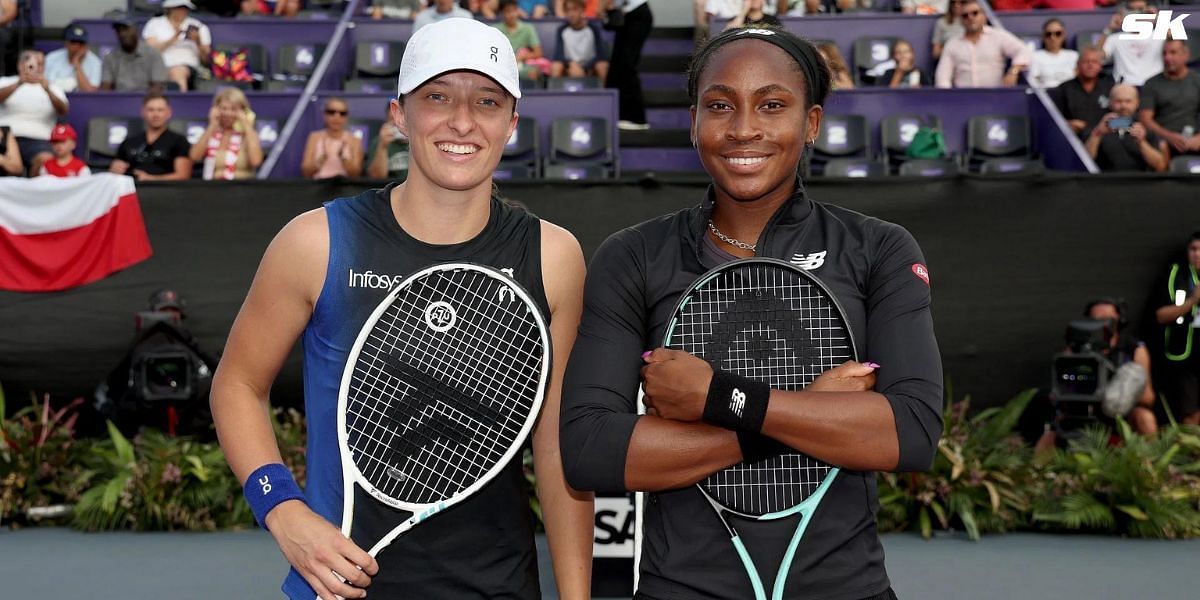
{"points": [[482, 547]]}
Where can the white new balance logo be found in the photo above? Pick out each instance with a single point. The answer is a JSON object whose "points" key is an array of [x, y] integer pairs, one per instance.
{"points": [[737, 401], [810, 261]]}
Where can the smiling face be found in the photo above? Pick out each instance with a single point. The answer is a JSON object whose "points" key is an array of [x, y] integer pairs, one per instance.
{"points": [[750, 122], [457, 125], [228, 112]]}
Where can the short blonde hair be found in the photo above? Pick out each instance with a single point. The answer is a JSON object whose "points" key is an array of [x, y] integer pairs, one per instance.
{"points": [[231, 94]]}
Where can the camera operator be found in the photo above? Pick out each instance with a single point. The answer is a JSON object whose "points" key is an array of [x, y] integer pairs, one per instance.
{"points": [[1119, 143], [1120, 350], [1180, 319]]}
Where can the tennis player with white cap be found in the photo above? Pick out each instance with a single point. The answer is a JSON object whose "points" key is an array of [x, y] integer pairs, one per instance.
{"points": [[321, 278]]}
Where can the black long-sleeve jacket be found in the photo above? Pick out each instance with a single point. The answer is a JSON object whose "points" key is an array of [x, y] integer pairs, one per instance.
{"points": [[634, 281]]}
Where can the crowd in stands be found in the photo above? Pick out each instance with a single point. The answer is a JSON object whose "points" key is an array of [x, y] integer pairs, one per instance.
{"points": [[175, 51]]}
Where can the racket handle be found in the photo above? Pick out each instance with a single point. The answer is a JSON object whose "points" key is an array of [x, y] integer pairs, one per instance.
{"points": [[639, 507]]}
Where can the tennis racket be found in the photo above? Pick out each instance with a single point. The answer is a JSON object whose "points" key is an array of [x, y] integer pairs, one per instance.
{"points": [[440, 391], [770, 321]]}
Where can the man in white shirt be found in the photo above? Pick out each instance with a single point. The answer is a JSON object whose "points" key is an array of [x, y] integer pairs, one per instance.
{"points": [[30, 106], [1134, 61], [442, 9], [74, 67], [185, 42]]}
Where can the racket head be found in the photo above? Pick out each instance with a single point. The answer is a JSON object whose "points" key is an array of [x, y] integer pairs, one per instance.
{"points": [[458, 356], [770, 321]]}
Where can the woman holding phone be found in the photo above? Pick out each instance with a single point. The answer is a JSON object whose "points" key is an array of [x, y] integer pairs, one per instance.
{"points": [[229, 146]]}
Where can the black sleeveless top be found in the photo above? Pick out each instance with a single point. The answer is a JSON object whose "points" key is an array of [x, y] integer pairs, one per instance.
{"points": [[482, 547]]}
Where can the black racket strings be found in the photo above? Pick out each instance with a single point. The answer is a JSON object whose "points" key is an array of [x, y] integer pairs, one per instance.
{"points": [[429, 413], [745, 321]]}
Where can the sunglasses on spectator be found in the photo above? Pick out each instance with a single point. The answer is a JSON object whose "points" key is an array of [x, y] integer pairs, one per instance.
{"points": [[334, 111], [972, 13], [1053, 33]]}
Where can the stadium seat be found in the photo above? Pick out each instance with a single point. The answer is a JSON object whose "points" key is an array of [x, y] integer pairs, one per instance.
{"points": [[1087, 39], [191, 129], [896, 133], [869, 52], [521, 153], [854, 167], [366, 130], [1011, 166], [921, 167], [996, 136], [513, 172], [293, 85], [212, 85], [382, 85], [378, 58], [104, 136], [256, 58], [297, 61], [842, 136], [573, 84], [1187, 165], [573, 172], [1193, 43], [145, 7], [580, 142], [1033, 40]]}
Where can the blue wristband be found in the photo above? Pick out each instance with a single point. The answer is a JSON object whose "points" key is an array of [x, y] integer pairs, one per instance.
{"points": [[268, 486]]}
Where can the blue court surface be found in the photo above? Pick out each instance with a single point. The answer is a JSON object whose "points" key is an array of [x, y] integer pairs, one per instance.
{"points": [[62, 564]]}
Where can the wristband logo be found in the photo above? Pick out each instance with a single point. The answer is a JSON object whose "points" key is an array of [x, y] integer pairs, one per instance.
{"points": [[265, 482], [737, 401]]}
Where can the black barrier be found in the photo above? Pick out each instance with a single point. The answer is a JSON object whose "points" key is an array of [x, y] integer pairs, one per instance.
{"points": [[1011, 260]]}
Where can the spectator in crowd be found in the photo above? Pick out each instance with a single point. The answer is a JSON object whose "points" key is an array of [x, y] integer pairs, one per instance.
{"points": [[1171, 101], [581, 51], [64, 163], [923, 7], [799, 8], [1122, 348], [906, 73], [840, 78], [1134, 61], [524, 40], [135, 66], [948, 27], [30, 106], [1120, 143], [441, 9], [155, 153], [229, 145], [8, 17], [396, 9], [1053, 63], [978, 58], [533, 9], [753, 14], [1180, 317], [854, 5], [592, 9], [333, 151], [709, 10], [10, 155], [74, 67], [184, 41], [283, 8], [623, 73], [389, 157], [481, 9], [1083, 101]]}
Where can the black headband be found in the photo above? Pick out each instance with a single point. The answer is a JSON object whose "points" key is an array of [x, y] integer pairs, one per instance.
{"points": [[801, 51]]}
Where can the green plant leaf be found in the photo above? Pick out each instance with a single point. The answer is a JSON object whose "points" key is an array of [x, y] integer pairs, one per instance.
{"points": [[1165, 460], [940, 513], [1133, 511], [926, 525], [967, 516], [122, 445]]}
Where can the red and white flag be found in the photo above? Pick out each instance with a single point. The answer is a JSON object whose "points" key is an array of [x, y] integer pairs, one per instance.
{"points": [[60, 233]]}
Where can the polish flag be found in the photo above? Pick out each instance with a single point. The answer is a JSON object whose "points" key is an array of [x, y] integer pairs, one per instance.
{"points": [[60, 233]]}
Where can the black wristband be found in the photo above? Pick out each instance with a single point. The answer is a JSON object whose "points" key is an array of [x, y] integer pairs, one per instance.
{"points": [[736, 402], [756, 447]]}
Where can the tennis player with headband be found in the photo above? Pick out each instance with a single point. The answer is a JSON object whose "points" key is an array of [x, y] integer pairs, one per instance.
{"points": [[321, 278], [756, 105]]}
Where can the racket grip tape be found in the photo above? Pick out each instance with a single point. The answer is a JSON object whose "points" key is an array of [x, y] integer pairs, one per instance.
{"points": [[267, 487], [736, 402]]}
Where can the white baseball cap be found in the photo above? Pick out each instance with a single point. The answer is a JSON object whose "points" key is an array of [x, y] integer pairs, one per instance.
{"points": [[458, 44], [178, 3]]}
